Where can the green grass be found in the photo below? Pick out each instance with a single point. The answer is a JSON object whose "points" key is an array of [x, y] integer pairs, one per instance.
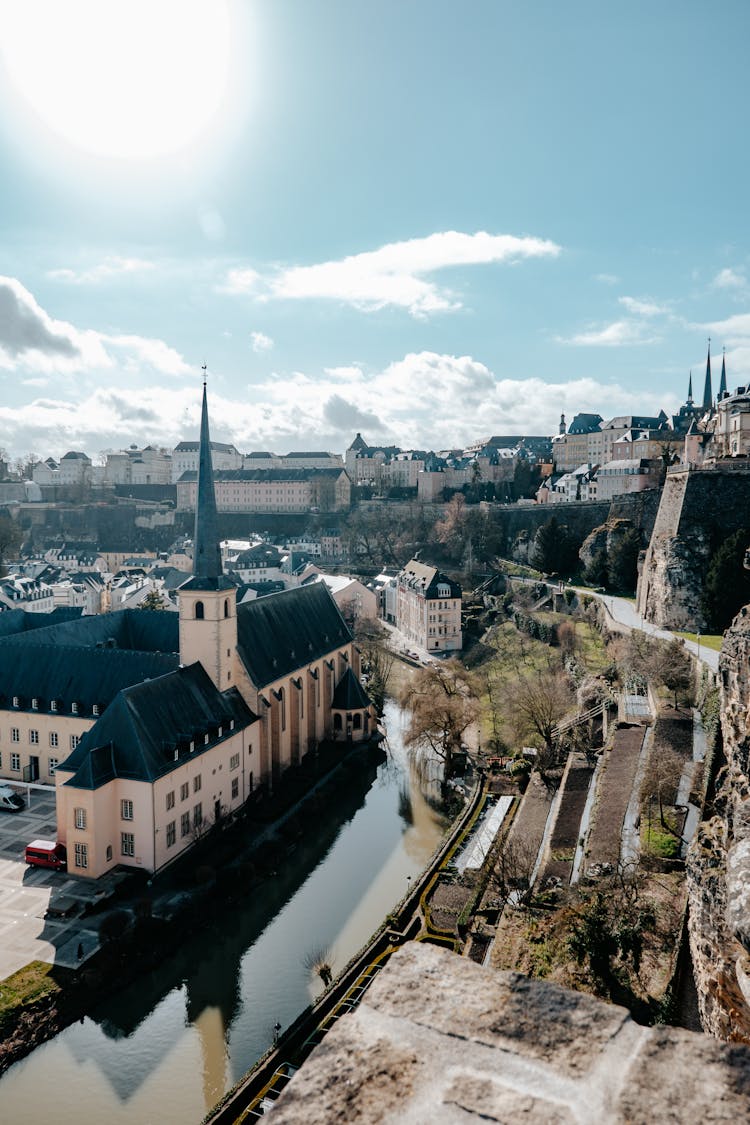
{"points": [[657, 841], [32, 982], [710, 640]]}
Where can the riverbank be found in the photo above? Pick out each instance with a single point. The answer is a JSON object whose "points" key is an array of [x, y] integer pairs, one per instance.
{"points": [[151, 921]]}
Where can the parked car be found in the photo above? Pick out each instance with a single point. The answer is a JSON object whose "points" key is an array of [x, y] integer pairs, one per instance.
{"points": [[47, 853], [10, 801]]}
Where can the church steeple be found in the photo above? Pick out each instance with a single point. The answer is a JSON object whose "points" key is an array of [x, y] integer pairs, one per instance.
{"points": [[690, 390], [707, 393], [206, 550], [723, 380]]}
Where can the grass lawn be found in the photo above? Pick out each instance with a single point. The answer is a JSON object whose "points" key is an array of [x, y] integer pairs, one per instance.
{"points": [[656, 840], [30, 983], [710, 640]]}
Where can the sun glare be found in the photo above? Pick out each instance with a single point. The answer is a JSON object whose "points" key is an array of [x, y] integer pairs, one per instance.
{"points": [[131, 79]]}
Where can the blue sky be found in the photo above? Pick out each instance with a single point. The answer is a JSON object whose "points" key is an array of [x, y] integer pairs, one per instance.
{"points": [[424, 220]]}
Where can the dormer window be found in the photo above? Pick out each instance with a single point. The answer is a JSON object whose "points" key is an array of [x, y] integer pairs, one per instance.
{"points": [[74, 708], [205, 739], [53, 704], [95, 709], [35, 705], [15, 701], [192, 745]]}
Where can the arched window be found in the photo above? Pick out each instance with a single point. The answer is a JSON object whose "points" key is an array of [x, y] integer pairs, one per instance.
{"points": [[337, 722], [199, 611], [226, 607], [357, 721], [109, 853]]}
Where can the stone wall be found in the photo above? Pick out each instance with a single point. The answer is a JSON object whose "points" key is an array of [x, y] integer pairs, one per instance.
{"points": [[718, 863], [438, 1038], [698, 509]]}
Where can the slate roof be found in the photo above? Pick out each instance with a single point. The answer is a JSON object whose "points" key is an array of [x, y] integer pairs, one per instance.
{"points": [[68, 674], [419, 576], [137, 630], [278, 634], [146, 724], [16, 622], [261, 475], [349, 694]]}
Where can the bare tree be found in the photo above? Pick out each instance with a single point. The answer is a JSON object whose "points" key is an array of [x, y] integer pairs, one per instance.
{"points": [[441, 704], [377, 658], [538, 701]]}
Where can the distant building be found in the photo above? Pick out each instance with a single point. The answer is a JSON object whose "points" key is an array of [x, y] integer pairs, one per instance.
{"points": [[186, 454], [428, 608], [290, 491]]}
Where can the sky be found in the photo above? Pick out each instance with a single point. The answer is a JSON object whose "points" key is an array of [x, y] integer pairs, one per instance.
{"points": [[420, 220]]}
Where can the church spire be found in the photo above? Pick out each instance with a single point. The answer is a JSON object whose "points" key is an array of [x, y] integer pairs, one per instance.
{"points": [[707, 393], [723, 381], [690, 390], [206, 550]]}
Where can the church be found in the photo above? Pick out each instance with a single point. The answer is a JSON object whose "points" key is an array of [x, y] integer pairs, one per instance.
{"points": [[168, 726]]}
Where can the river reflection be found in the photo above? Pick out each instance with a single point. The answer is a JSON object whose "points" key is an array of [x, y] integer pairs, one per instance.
{"points": [[173, 1044]]}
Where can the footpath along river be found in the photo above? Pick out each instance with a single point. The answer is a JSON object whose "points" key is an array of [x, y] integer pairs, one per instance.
{"points": [[169, 1048]]}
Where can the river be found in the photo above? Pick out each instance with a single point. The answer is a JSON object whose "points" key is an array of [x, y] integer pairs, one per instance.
{"points": [[168, 1049]]}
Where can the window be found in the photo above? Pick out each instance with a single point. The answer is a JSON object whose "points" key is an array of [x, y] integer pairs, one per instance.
{"points": [[53, 705], [81, 855], [15, 761], [196, 783], [52, 766], [109, 853], [170, 799], [95, 709], [198, 815], [35, 705], [184, 790], [74, 708], [15, 734], [171, 833], [234, 762], [15, 700], [126, 810], [235, 788], [74, 740], [34, 737], [226, 610], [185, 824], [53, 739], [80, 818], [199, 611], [127, 843]]}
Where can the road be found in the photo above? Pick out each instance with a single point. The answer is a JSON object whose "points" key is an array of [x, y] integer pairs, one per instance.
{"points": [[623, 612]]}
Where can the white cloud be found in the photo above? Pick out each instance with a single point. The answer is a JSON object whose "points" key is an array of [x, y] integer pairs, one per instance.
{"points": [[30, 339], [261, 342], [396, 404], [111, 267], [730, 279], [396, 274], [607, 278], [615, 335], [642, 306]]}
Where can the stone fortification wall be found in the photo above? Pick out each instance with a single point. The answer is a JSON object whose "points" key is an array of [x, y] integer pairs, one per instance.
{"points": [[718, 863], [698, 509]]}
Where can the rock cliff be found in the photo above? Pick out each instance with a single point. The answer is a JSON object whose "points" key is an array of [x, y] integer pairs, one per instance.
{"points": [[718, 863]]}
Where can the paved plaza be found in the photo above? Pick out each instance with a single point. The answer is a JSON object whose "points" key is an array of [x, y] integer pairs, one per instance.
{"points": [[40, 909]]}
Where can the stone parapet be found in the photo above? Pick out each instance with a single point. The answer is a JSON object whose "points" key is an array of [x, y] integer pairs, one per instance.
{"points": [[440, 1039]]}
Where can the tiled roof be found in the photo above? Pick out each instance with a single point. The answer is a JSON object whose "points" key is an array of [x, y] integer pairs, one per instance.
{"points": [[67, 674], [138, 736], [138, 630], [280, 633], [349, 694]]}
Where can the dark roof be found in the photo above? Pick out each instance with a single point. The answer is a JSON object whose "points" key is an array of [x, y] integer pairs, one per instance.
{"points": [[138, 735], [194, 446], [265, 474], [137, 630], [75, 455], [283, 632], [585, 424], [69, 674], [359, 443], [16, 622], [349, 694]]}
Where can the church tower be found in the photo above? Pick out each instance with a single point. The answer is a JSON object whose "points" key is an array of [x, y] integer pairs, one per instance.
{"points": [[208, 600], [723, 392], [708, 397]]}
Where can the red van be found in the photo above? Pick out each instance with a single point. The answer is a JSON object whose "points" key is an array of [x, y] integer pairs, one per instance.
{"points": [[46, 853]]}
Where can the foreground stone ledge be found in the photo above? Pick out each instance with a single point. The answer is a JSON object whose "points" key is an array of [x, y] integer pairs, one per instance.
{"points": [[439, 1039]]}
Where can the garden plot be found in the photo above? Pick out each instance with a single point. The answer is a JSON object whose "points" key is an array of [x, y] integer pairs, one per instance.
{"points": [[615, 787], [566, 829], [476, 851]]}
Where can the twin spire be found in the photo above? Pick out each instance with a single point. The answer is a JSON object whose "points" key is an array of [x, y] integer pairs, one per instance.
{"points": [[206, 550], [707, 403]]}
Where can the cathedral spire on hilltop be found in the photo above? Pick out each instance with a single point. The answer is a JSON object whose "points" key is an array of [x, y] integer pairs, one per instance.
{"points": [[707, 393], [723, 381], [206, 550]]}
